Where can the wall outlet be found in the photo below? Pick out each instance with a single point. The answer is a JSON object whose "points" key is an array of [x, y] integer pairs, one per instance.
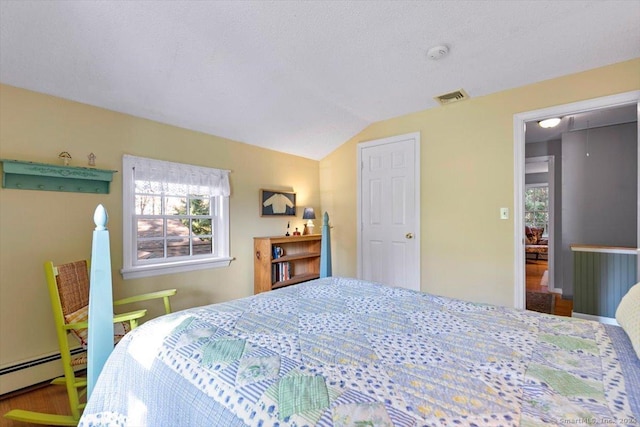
{"points": [[504, 213]]}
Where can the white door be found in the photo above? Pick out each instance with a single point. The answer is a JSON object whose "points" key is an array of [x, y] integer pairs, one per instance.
{"points": [[389, 235]]}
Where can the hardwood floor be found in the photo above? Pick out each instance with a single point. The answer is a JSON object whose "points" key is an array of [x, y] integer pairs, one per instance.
{"points": [[534, 272], [40, 398]]}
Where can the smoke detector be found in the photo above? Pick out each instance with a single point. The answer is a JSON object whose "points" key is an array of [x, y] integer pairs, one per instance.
{"points": [[437, 52], [448, 98]]}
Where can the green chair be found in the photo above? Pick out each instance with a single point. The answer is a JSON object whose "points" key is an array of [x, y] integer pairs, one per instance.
{"points": [[69, 292]]}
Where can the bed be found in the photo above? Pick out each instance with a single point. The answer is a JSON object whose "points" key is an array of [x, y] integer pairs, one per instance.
{"points": [[345, 352]]}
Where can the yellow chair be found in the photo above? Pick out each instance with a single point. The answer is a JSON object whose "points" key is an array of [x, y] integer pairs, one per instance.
{"points": [[69, 292]]}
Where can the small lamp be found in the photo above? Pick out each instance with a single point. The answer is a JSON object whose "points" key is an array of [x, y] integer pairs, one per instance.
{"points": [[310, 215]]}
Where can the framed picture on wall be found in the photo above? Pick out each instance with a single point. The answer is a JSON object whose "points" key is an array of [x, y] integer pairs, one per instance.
{"points": [[277, 203]]}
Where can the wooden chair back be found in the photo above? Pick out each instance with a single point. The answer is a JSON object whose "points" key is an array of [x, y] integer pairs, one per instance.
{"points": [[72, 281]]}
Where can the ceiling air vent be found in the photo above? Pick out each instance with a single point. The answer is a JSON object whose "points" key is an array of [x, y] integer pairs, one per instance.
{"points": [[448, 98]]}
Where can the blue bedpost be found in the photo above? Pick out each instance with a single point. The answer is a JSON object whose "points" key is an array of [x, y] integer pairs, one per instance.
{"points": [[100, 342], [325, 248]]}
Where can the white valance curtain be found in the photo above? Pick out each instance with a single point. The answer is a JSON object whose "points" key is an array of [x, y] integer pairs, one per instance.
{"points": [[178, 178]]}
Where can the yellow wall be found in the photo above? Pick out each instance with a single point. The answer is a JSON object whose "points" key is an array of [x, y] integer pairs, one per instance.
{"points": [[39, 225], [466, 176]]}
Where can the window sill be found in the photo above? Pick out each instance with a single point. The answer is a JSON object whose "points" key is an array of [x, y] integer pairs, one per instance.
{"points": [[173, 268]]}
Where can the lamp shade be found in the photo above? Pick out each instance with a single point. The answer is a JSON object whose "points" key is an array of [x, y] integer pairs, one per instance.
{"points": [[308, 214]]}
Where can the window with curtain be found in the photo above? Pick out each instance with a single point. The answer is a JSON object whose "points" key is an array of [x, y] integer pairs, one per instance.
{"points": [[175, 217]]}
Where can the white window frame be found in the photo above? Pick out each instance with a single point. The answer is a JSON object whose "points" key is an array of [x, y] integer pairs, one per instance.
{"points": [[548, 211], [133, 268]]}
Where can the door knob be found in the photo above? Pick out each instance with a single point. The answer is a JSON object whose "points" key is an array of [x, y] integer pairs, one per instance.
{"points": [[409, 235]]}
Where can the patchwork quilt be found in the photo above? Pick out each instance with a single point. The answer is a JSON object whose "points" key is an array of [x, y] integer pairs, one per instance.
{"points": [[345, 352]]}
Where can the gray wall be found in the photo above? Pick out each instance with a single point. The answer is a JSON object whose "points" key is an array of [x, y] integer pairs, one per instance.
{"points": [[599, 192]]}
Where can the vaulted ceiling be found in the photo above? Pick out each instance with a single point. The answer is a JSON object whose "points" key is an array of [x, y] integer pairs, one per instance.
{"points": [[301, 77]]}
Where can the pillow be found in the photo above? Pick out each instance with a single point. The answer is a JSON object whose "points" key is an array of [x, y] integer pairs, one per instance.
{"points": [[533, 235], [528, 235], [82, 335], [628, 316], [537, 234]]}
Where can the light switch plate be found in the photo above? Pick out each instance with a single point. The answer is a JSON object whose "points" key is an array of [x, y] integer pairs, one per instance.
{"points": [[504, 213]]}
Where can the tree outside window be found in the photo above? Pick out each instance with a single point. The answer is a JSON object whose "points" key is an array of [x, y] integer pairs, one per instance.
{"points": [[536, 207], [175, 217]]}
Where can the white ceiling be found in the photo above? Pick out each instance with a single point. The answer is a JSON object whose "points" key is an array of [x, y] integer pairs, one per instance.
{"points": [[300, 77]]}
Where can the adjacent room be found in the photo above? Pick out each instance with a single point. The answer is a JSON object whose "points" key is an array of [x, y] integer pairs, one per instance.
{"points": [[570, 171], [319, 212]]}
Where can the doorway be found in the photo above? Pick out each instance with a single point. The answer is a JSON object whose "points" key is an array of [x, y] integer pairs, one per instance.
{"points": [[389, 211], [520, 120], [539, 219]]}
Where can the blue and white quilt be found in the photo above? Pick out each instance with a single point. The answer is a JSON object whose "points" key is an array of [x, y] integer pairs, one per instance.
{"points": [[345, 352]]}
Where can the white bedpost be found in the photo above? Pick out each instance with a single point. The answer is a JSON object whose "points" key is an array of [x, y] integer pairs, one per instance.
{"points": [[100, 300], [325, 248]]}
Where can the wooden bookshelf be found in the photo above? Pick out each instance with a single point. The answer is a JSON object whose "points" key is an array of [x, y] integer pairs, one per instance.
{"points": [[285, 260]]}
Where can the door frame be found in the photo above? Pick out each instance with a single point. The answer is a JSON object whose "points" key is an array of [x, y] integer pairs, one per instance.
{"points": [[519, 128], [359, 214], [551, 184]]}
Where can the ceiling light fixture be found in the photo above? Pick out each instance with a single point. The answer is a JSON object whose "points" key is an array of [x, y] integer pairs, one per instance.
{"points": [[549, 123]]}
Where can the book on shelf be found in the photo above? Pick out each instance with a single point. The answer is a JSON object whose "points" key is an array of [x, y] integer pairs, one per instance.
{"points": [[280, 272]]}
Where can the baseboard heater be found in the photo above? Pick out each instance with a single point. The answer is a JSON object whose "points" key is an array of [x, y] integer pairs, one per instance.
{"points": [[36, 362]]}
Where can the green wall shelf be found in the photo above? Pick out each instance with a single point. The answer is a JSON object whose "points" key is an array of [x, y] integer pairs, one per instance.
{"points": [[21, 175]]}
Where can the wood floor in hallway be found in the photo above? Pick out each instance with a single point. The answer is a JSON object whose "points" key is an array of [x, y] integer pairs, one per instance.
{"points": [[534, 272]]}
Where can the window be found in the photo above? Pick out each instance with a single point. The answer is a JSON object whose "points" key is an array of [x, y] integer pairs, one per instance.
{"points": [[536, 207], [175, 217]]}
